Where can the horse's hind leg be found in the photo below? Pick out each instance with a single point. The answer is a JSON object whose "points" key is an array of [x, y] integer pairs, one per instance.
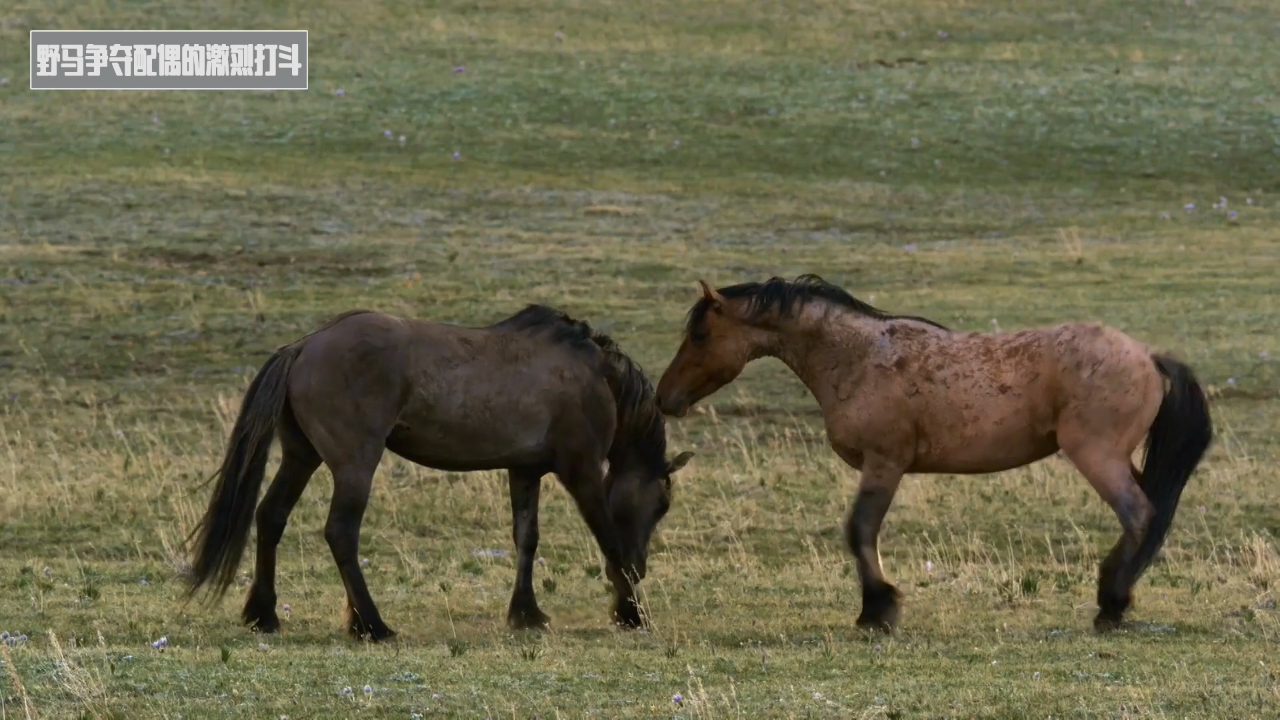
{"points": [[352, 481], [525, 487], [297, 464], [1112, 475], [880, 600]]}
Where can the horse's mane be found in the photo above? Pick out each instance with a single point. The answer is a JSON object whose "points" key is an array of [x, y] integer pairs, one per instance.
{"points": [[785, 297], [640, 422]]}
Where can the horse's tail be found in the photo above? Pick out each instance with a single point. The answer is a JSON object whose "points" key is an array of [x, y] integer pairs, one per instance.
{"points": [[1176, 442], [224, 530]]}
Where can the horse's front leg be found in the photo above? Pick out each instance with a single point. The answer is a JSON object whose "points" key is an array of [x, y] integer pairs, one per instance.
{"points": [[585, 483], [880, 600], [523, 612]]}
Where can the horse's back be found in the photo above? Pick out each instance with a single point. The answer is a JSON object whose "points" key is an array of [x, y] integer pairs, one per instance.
{"points": [[449, 396]]}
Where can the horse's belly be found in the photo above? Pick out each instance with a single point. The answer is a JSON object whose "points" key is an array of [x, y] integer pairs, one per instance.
{"points": [[990, 442], [462, 446]]}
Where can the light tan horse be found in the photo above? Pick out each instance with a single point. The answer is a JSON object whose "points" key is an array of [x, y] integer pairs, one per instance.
{"points": [[906, 395]]}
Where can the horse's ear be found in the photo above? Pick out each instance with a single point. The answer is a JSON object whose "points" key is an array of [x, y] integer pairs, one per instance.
{"points": [[709, 294], [679, 461]]}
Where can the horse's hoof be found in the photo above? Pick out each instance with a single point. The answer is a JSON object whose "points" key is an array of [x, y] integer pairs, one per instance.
{"points": [[1111, 611], [372, 634], [528, 619], [880, 610], [1104, 623], [266, 626], [628, 616]]}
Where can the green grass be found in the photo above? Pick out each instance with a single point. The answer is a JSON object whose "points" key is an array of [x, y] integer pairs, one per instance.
{"points": [[1030, 167]]}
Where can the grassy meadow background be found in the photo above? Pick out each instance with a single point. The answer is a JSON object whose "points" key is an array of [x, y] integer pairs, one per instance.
{"points": [[991, 165]]}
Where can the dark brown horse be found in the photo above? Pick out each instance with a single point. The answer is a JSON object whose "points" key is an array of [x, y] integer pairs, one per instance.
{"points": [[534, 394], [906, 395]]}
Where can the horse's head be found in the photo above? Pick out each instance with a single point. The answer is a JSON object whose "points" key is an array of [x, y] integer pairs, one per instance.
{"points": [[718, 344]]}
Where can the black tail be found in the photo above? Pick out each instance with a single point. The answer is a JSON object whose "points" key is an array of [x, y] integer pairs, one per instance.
{"points": [[224, 530], [1176, 442]]}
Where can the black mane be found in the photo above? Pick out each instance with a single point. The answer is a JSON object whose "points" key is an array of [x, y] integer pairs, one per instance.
{"points": [[641, 435], [786, 297]]}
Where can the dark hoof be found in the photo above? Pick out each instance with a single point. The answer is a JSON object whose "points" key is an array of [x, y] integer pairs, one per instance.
{"points": [[1105, 624], [266, 625], [627, 615], [260, 615], [880, 609], [527, 618], [372, 633], [1111, 611]]}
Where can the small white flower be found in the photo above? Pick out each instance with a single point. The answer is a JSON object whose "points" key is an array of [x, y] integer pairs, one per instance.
{"points": [[928, 566]]}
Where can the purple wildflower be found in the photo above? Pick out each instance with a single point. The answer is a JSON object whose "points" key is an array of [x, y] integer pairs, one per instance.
{"points": [[460, 69], [386, 134], [339, 92], [346, 691], [678, 699]]}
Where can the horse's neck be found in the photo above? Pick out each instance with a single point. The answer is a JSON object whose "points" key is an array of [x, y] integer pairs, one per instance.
{"points": [[826, 351]]}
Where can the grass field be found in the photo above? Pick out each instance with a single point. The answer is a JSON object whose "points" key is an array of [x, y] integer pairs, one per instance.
{"points": [[990, 165]]}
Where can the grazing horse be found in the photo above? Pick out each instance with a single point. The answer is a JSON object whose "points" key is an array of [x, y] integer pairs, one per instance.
{"points": [[534, 394], [906, 395]]}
